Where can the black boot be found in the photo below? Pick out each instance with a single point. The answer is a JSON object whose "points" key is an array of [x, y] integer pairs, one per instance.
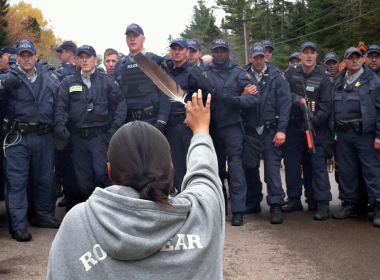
{"points": [[237, 219], [323, 211], [293, 204], [21, 235], [348, 210], [276, 215], [376, 214], [252, 208]]}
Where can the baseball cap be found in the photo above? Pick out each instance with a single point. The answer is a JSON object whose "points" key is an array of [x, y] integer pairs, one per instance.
{"points": [[8, 49], [267, 44], [12, 59], [294, 55], [134, 28], [219, 43], [194, 44], [330, 56], [67, 46], [352, 50], [308, 45], [373, 48], [180, 41], [87, 49], [257, 49], [26, 45]]}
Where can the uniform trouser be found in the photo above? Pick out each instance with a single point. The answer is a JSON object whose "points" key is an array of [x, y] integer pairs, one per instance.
{"points": [[272, 176], [2, 175], [293, 150], [349, 146], [179, 137], [37, 152], [90, 158], [231, 138]]}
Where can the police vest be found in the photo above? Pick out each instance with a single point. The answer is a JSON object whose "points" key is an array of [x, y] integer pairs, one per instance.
{"points": [[347, 101], [134, 82], [183, 81], [307, 88]]}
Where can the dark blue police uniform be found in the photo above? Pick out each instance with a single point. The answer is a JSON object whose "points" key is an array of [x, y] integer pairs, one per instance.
{"points": [[190, 78], [231, 81], [65, 70], [356, 121], [273, 114], [316, 88], [90, 113], [30, 144], [145, 101]]}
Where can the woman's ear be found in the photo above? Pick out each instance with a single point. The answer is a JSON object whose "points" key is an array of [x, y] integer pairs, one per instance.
{"points": [[109, 172]]}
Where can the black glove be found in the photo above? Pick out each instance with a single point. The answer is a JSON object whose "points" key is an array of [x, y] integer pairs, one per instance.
{"points": [[116, 96], [11, 83], [296, 99], [229, 101], [112, 131], [50, 67], [160, 126], [61, 132]]}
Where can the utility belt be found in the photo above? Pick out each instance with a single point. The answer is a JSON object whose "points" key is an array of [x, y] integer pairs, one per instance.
{"points": [[176, 118], [269, 125], [143, 114], [357, 126], [12, 126], [89, 133]]}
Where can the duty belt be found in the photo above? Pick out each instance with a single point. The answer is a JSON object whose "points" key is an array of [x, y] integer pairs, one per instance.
{"points": [[357, 126], [146, 113], [176, 118], [270, 125], [23, 127], [89, 133]]}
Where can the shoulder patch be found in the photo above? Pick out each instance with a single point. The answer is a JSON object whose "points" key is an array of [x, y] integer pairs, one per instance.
{"points": [[116, 83], [204, 74], [54, 76], [248, 76], [283, 75], [164, 63]]}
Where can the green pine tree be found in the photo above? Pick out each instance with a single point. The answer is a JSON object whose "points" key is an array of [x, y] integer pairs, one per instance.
{"points": [[4, 7]]}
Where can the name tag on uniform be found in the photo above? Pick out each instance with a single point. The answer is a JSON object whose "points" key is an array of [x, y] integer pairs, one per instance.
{"points": [[75, 88], [357, 84]]}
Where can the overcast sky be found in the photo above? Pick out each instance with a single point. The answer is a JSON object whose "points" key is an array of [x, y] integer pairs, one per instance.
{"points": [[102, 24]]}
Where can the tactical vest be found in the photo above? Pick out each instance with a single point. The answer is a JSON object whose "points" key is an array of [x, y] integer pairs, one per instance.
{"points": [[308, 88], [183, 81], [134, 82], [347, 102]]}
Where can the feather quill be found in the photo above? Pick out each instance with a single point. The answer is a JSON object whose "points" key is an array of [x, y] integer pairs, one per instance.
{"points": [[160, 78]]}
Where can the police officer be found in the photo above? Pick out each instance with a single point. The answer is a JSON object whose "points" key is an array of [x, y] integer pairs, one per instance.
{"points": [[5, 53], [311, 82], [29, 143], [268, 123], [355, 118], [372, 58], [111, 57], [230, 82], [331, 61], [92, 104], [269, 48], [66, 53], [12, 59], [295, 59], [145, 101], [195, 53], [190, 78]]}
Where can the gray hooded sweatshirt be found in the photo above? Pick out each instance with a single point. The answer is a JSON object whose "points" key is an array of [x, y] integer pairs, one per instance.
{"points": [[117, 235]]}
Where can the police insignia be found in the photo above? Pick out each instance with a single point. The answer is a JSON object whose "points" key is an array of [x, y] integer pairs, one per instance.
{"points": [[204, 74], [75, 88], [248, 76], [54, 76]]}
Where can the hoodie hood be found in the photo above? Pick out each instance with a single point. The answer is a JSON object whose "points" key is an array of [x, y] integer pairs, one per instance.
{"points": [[130, 228]]}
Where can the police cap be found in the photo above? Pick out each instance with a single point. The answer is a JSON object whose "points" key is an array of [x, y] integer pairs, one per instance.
{"points": [[295, 55], [87, 49], [352, 50], [219, 43], [26, 45], [194, 44], [12, 59], [308, 45], [8, 49], [330, 56], [267, 44], [180, 41], [373, 48], [134, 28], [67, 46], [257, 49]]}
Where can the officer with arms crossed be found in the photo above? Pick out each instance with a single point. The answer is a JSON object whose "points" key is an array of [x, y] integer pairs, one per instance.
{"points": [[356, 120], [230, 82], [195, 53], [372, 58], [29, 143], [269, 128], [331, 61], [145, 101], [312, 83], [66, 53], [92, 104], [190, 78]]}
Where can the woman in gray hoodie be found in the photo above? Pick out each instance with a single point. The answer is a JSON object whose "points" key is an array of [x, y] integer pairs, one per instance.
{"points": [[134, 229]]}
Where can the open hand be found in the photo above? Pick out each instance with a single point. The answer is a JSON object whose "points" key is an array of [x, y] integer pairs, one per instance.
{"points": [[198, 116]]}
